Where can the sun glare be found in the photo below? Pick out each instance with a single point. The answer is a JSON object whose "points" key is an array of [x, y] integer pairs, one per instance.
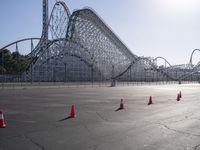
{"points": [[180, 6]]}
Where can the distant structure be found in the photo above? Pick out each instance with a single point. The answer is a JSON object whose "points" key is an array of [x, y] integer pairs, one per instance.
{"points": [[45, 20], [80, 47]]}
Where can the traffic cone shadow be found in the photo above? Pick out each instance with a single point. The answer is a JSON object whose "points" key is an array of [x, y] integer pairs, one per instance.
{"points": [[178, 97], [180, 94], [72, 114], [64, 119]]}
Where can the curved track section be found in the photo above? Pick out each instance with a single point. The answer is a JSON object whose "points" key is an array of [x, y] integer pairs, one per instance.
{"points": [[91, 39], [191, 57], [59, 20], [57, 28], [144, 69], [20, 41], [87, 29], [165, 60], [81, 47]]}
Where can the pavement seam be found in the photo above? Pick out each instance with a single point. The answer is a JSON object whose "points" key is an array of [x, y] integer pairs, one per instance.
{"points": [[182, 132], [197, 146], [35, 143], [186, 118], [196, 118], [93, 147], [29, 132], [101, 117]]}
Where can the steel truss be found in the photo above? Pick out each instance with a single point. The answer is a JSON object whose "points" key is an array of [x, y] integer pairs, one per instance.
{"points": [[81, 47]]}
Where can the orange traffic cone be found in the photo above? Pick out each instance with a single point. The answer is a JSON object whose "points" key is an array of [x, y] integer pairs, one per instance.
{"points": [[121, 104], [2, 123], [150, 100], [73, 113], [178, 97]]}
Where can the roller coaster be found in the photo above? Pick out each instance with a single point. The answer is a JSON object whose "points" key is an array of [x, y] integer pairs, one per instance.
{"points": [[80, 46]]}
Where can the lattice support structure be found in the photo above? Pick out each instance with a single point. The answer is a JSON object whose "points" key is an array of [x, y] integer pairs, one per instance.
{"points": [[81, 47]]}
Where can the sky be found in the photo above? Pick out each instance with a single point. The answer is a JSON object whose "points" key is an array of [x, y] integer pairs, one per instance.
{"points": [[167, 28]]}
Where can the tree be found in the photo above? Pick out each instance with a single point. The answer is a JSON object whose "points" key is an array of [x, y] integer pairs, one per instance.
{"points": [[5, 60], [12, 63]]}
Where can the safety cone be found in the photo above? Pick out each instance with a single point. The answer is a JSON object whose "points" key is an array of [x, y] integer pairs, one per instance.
{"points": [[178, 97], [73, 113], [121, 104], [2, 122], [150, 100]]}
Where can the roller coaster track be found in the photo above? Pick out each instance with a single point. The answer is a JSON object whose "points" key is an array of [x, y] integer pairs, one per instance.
{"points": [[152, 67], [85, 36], [18, 41]]}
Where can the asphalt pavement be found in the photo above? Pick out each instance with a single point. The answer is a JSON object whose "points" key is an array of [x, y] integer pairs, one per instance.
{"points": [[39, 119]]}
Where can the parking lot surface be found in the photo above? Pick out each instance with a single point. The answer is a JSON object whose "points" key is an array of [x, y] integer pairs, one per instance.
{"points": [[39, 118]]}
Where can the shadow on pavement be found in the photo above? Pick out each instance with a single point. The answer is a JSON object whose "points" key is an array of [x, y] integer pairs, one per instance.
{"points": [[64, 119]]}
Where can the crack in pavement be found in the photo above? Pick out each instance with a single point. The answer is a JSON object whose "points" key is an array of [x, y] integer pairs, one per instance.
{"points": [[114, 140], [197, 146], [178, 131], [186, 147], [30, 132], [104, 119], [175, 121], [35, 143], [186, 117], [196, 118], [93, 147]]}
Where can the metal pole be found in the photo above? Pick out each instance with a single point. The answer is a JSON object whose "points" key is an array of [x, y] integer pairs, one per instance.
{"points": [[65, 72]]}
